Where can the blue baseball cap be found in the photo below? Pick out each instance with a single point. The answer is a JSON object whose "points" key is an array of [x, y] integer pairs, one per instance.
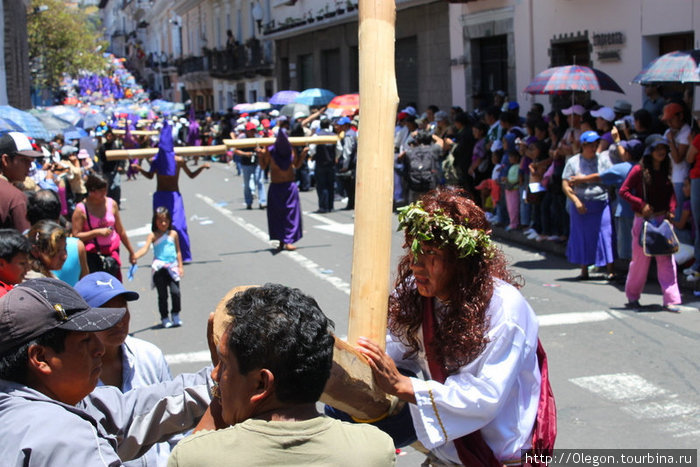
{"points": [[344, 121], [589, 137], [98, 288]]}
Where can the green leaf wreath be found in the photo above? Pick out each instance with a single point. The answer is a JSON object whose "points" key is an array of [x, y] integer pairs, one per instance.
{"points": [[422, 226]]}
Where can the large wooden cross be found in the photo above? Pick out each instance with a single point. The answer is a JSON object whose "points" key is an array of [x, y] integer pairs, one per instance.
{"points": [[351, 387]]}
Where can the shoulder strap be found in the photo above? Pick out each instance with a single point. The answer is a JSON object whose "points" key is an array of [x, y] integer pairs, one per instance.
{"points": [[87, 216]]}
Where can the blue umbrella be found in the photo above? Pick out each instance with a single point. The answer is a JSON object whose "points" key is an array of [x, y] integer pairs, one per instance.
{"points": [[75, 134], [92, 120], [314, 97], [9, 125], [52, 123], [283, 97], [26, 121], [66, 112]]}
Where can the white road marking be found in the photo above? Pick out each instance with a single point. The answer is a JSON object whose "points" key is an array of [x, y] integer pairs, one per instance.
{"points": [[637, 395], [188, 357], [663, 409], [556, 319], [619, 387], [332, 225], [321, 218], [302, 260], [145, 230], [345, 229]]}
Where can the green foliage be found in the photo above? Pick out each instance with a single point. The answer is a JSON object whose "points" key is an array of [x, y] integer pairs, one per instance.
{"points": [[438, 228], [62, 40]]}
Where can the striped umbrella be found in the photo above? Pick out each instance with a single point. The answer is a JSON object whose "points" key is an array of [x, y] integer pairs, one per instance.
{"points": [[29, 123], [673, 67], [283, 97], [562, 79]]}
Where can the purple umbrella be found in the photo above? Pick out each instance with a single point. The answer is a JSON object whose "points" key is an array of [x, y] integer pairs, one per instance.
{"points": [[673, 67], [283, 97], [562, 79]]}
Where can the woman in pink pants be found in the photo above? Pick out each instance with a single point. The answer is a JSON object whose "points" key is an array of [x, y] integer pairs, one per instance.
{"points": [[648, 189]]}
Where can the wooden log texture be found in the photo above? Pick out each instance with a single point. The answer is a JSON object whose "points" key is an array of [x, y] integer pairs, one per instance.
{"points": [[351, 387], [137, 132], [375, 173], [293, 140], [186, 151], [116, 154]]}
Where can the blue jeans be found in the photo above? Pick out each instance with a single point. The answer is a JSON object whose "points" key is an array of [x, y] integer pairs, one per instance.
{"points": [[695, 208], [253, 172], [680, 198]]}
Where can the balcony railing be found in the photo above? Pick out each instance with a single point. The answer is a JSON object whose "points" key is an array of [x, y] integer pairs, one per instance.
{"points": [[192, 65], [242, 60]]}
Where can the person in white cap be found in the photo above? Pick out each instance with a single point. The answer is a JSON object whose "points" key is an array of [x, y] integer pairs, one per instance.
{"points": [[16, 156], [605, 116], [569, 143]]}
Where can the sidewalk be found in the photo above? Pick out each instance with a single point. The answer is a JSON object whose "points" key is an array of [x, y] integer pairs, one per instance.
{"points": [[559, 249]]}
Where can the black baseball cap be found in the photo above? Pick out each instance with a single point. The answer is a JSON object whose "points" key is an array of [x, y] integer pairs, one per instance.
{"points": [[36, 306], [15, 142]]}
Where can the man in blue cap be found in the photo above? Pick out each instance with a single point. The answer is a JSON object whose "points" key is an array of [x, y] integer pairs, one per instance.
{"points": [[128, 362]]}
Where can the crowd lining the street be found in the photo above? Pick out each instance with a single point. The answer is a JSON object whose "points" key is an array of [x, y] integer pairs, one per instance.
{"points": [[586, 175]]}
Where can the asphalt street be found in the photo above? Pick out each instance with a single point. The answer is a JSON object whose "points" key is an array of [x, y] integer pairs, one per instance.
{"points": [[621, 378]]}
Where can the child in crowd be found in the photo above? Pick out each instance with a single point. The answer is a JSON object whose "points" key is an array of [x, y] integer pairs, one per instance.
{"points": [[14, 259], [48, 249], [512, 183], [167, 266]]}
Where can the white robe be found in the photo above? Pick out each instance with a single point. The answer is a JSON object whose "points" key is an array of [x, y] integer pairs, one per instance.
{"points": [[497, 393]]}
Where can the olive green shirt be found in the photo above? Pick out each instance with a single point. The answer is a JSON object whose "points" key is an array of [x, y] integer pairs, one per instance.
{"points": [[320, 441]]}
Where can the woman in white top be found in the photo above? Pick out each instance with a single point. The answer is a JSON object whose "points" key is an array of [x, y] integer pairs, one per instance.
{"points": [[455, 316]]}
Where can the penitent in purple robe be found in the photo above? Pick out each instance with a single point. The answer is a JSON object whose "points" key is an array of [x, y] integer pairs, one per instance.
{"points": [[283, 206], [164, 164]]}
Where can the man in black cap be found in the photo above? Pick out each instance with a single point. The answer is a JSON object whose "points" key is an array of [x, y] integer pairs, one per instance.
{"points": [[16, 155], [50, 362]]}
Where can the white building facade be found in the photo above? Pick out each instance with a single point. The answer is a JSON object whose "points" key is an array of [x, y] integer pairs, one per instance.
{"points": [[503, 44]]}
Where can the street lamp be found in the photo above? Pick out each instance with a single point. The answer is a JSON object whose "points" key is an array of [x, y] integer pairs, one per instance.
{"points": [[258, 15]]}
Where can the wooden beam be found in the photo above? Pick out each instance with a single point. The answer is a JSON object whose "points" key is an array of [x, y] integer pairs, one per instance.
{"points": [[138, 132], [371, 261], [293, 140], [185, 151]]}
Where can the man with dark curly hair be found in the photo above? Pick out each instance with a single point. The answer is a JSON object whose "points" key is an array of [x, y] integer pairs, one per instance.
{"points": [[274, 360], [457, 316]]}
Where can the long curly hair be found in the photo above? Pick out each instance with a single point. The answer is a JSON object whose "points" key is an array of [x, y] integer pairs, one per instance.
{"points": [[461, 334]]}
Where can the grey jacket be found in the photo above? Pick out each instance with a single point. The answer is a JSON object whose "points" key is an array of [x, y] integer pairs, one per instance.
{"points": [[101, 430]]}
